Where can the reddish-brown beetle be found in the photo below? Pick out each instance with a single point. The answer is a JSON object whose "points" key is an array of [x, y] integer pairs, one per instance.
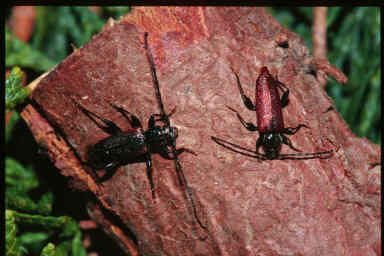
{"points": [[270, 122]]}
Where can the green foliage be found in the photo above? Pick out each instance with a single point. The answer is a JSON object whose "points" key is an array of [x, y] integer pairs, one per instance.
{"points": [[31, 228], [65, 228], [354, 47], [19, 182], [116, 11], [23, 211], [12, 244], [15, 117], [14, 92], [21, 54], [49, 250], [358, 52], [69, 25]]}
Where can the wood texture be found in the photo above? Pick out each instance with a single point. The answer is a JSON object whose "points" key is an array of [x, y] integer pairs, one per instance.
{"points": [[250, 207]]}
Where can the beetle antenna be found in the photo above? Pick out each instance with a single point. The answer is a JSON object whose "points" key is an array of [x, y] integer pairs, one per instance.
{"points": [[307, 155], [183, 182], [154, 76], [236, 148], [179, 170]]}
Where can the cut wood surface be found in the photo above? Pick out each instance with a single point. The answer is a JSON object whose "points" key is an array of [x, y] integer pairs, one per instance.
{"points": [[250, 207]]}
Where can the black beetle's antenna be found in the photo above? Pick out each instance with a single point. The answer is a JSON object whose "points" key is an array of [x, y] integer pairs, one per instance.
{"points": [[154, 76], [179, 170]]}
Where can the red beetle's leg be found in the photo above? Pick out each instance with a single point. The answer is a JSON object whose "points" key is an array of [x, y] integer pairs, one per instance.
{"points": [[249, 126], [290, 130], [259, 143], [284, 98], [247, 101], [288, 142]]}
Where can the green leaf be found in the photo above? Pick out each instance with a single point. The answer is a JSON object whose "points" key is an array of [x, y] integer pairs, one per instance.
{"points": [[14, 92], [19, 181], [116, 11], [77, 245], [47, 222], [70, 25], [64, 248], [10, 125], [17, 53], [34, 241], [49, 250], [12, 245], [19, 177]]}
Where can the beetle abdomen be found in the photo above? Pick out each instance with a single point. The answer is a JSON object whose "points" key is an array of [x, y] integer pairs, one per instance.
{"points": [[114, 150], [268, 105]]}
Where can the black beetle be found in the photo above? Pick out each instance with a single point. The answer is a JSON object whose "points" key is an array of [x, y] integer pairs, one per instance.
{"points": [[123, 146]]}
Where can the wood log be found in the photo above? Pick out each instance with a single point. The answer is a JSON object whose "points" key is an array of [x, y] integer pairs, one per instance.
{"points": [[250, 207]]}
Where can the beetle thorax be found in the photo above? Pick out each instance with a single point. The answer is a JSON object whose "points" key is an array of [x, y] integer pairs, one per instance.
{"points": [[161, 135], [271, 143]]}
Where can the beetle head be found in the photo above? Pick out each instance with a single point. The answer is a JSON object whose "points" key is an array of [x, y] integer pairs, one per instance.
{"points": [[271, 143]]}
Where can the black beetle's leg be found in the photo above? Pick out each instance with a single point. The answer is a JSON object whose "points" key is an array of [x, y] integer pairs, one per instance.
{"points": [[285, 97], [247, 102], [290, 130], [148, 161], [249, 126], [181, 150], [160, 117], [132, 119], [155, 118], [170, 155], [288, 142], [172, 112], [109, 171], [110, 127]]}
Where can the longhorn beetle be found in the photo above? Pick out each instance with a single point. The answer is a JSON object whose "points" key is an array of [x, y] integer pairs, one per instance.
{"points": [[114, 150], [270, 122]]}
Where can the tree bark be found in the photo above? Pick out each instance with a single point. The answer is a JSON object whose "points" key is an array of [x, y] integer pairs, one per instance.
{"points": [[250, 207]]}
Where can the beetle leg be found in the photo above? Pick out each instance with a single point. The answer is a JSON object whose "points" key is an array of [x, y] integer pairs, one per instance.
{"points": [[290, 130], [164, 118], [172, 112], [259, 143], [148, 161], [132, 119], [284, 98], [249, 126], [110, 127], [156, 118], [288, 142], [246, 100], [181, 150], [170, 155]]}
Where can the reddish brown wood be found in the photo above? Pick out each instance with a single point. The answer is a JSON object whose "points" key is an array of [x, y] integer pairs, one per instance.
{"points": [[250, 207]]}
